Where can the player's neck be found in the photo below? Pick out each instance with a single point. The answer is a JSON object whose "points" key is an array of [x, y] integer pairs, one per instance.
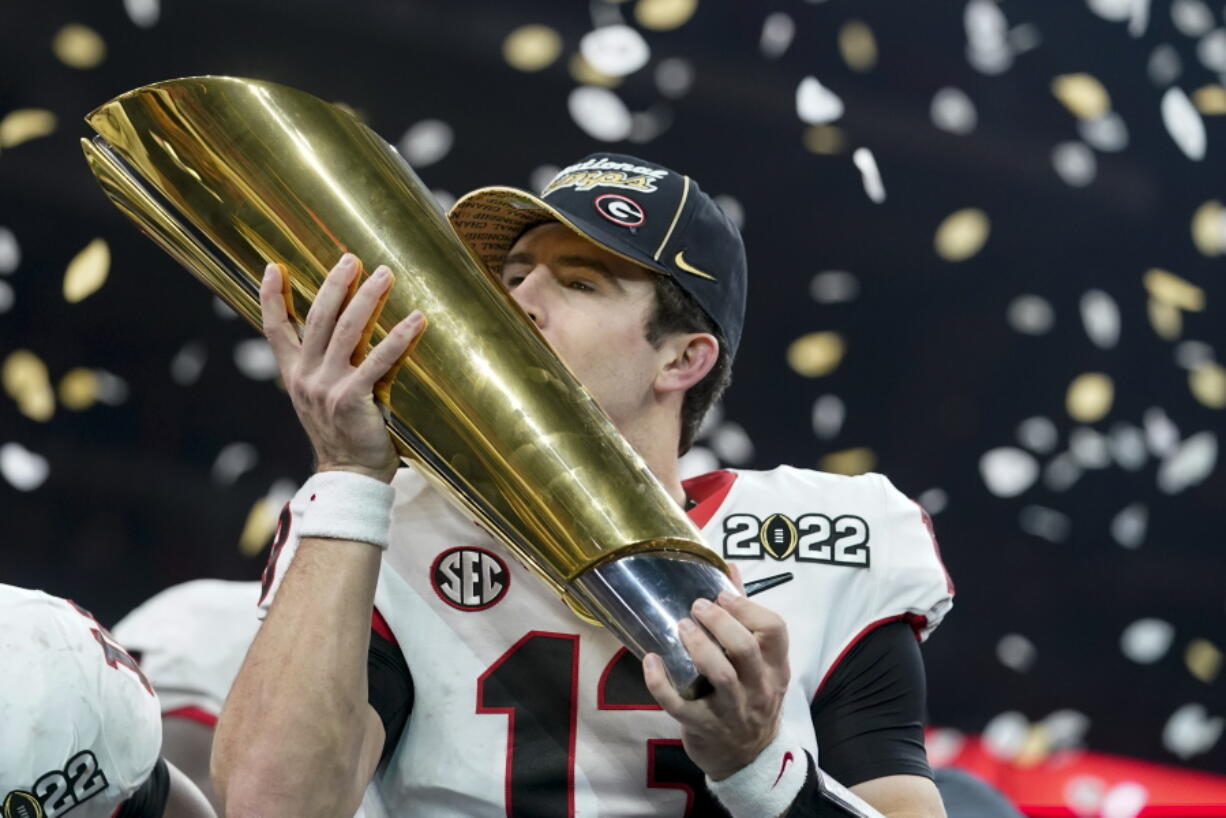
{"points": [[655, 438]]}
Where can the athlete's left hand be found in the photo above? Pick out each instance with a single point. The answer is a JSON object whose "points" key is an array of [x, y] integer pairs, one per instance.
{"points": [[747, 664]]}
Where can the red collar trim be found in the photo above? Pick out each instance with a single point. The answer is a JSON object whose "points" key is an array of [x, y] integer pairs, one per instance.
{"points": [[708, 491]]}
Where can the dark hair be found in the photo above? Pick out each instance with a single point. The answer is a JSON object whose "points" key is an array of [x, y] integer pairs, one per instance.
{"points": [[676, 312]]}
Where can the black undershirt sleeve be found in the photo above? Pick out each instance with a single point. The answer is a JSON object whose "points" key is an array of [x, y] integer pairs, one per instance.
{"points": [[869, 716], [150, 800], [390, 690]]}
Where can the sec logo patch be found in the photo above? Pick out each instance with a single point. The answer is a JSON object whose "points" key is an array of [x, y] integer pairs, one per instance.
{"points": [[621, 210], [469, 578]]}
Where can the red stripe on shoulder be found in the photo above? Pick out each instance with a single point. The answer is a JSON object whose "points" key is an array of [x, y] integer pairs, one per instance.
{"points": [[708, 492], [917, 623], [196, 714], [379, 625]]}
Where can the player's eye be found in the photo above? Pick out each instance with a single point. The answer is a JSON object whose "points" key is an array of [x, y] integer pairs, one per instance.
{"points": [[580, 285], [512, 281]]}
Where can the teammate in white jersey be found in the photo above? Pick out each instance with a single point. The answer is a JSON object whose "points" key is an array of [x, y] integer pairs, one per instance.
{"points": [[470, 688], [80, 733]]}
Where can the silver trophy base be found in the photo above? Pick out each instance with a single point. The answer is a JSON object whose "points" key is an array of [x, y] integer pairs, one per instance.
{"points": [[641, 599]]}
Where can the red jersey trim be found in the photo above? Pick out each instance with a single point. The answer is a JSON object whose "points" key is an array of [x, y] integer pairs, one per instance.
{"points": [[379, 625], [917, 623], [936, 546], [196, 714], [708, 492]]}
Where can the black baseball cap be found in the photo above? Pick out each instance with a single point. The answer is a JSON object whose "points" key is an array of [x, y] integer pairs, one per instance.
{"points": [[641, 211]]}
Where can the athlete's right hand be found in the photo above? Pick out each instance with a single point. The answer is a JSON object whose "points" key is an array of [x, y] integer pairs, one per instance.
{"points": [[333, 398]]}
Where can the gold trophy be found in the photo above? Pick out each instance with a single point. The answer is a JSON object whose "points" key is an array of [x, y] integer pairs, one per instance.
{"points": [[228, 174]]}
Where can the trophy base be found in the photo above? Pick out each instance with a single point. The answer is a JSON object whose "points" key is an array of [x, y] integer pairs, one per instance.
{"points": [[641, 598]]}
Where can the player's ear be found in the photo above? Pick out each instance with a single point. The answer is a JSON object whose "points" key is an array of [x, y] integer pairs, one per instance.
{"points": [[685, 359]]}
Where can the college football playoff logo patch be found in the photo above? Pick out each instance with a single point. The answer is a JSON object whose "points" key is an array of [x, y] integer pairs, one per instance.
{"points": [[841, 540], [621, 210], [22, 804], [469, 578]]}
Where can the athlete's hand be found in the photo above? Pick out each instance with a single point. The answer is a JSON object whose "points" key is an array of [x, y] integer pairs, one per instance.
{"points": [[331, 385], [727, 729]]}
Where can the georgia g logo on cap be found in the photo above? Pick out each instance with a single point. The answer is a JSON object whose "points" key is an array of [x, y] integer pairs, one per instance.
{"points": [[621, 210]]}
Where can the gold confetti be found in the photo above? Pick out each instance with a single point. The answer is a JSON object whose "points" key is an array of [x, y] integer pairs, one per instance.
{"points": [[27, 383], [1166, 320], [79, 389], [531, 47], [1210, 100], [1209, 228], [1082, 94], [87, 271], [582, 72], [25, 124], [664, 15], [858, 46], [1090, 396], [1208, 384], [78, 46], [1203, 660], [260, 525], [816, 354], [1035, 748], [962, 234], [824, 139], [1172, 290], [849, 461]]}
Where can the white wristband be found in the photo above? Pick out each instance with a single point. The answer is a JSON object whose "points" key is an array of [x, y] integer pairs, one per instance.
{"points": [[344, 505], [769, 784]]}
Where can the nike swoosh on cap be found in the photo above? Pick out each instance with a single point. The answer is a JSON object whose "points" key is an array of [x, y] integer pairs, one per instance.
{"points": [[680, 261]]}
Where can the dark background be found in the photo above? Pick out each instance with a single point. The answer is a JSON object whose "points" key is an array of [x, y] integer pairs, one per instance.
{"points": [[934, 374]]}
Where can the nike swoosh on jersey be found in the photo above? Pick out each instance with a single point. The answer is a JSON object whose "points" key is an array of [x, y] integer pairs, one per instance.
{"points": [[757, 586], [680, 261]]}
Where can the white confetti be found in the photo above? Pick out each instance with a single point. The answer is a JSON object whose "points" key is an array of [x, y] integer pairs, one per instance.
{"points": [[1074, 163], [188, 363], [934, 501], [647, 125], [1061, 472], [10, 251], [7, 297], [1124, 800], [1191, 463], [1165, 66], [953, 111], [1101, 318], [1007, 471], [1190, 731], [732, 444], [1037, 434], [112, 389], [698, 460], [1140, 18], [711, 421], [1084, 793], [816, 104], [600, 113], [1016, 652], [1192, 17], [1127, 446], [1211, 50], [987, 48], [869, 174], [674, 77], [828, 416], [1128, 526], [445, 198], [1192, 354], [542, 176], [1089, 448], [777, 32], [24, 469], [1065, 729], [223, 310], [1115, 11], [1161, 434], [254, 359], [616, 50], [426, 142], [1024, 38], [1106, 133], [1046, 523], [834, 287], [144, 13], [233, 461], [1183, 123], [1031, 315], [1147, 640], [1005, 734], [732, 208], [943, 745]]}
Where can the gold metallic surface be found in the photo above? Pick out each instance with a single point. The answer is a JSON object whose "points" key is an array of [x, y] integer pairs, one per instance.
{"points": [[228, 174]]}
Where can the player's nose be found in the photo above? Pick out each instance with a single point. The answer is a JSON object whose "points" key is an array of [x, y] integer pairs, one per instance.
{"points": [[531, 293]]}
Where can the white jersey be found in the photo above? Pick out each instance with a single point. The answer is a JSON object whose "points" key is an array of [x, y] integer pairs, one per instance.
{"points": [[191, 639], [520, 708], [79, 725]]}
